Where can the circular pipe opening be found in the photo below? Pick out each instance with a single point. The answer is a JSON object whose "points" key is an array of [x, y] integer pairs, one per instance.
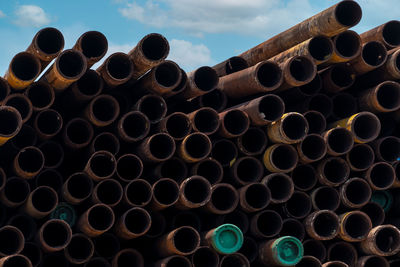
{"points": [[326, 198], [129, 167], [357, 225], [248, 170], [388, 95], [381, 175], [21, 103], [41, 95], [104, 108], [198, 145], [348, 13], [269, 75], [284, 157], [320, 48], [357, 191], [206, 79], [341, 76], [340, 140], [25, 66], [93, 44], [313, 147], [137, 221], [389, 149], [302, 69], [79, 186], [257, 196], [224, 197], [269, 223], [293, 227], [135, 125], [138, 192], [16, 190], [348, 44], [374, 53], [56, 234], [366, 126], [155, 47], [236, 122], [101, 217], [154, 107], [210, 169], [271, 107], [44, 199], [299, 205], [326, 224], [11, 121], [109, 192], [206, 120], [48, 122], [304, 177], [186, 240], [30, 159], [50, 40], [71, 64], [106, 141], [335, 170], [162, 146], [173, 168], [387, 239], [166, 191], [391, 33], [178, 125], [79, 131], [295, 126], [197, 190], [167, 74], [119, 66], [224, 151], [252, 142], [102, 164], [235, 64]]}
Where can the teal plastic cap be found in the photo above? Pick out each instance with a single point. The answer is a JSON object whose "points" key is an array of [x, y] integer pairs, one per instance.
{"points": [[227, 239], [64, 212], [287, 251], [383, 199]]}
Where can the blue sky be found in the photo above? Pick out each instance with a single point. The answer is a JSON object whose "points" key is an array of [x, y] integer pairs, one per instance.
{"points": [[200, 32]]}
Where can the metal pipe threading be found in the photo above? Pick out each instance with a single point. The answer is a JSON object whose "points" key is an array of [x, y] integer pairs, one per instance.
{"points": [[195, 147], [77, 134], [280, 158], [322, 225], [47, 123], [204, 120], [157, 148], [79, 250], [333, 171], [298, 206], [133, 126], [15, 260], [54, 235], [21, 103], [11, 123], [382, 240], [93, 45], [316, 121], [355, 193], [41, 202], [344, 252], [375, 212], [304, 177], [382, 98], [325, 198], [138, 193], [153, 106], [87, 87], [293, 227], [107, 245], [315, 248], [321, 103], [280, 185], [151, 50], [77, 188], [291, 128], [53, 154], [386, 33], [339, 141], [200, 82], [387, 149], [23, 70], [165, 193], [263, 77], [194, 192], [231, 65], [116, 69], [33, 253], [134, 223], [246, 170], [129, 167], [373, 55], [354, 226], [312, 148], [204, 257], [254, 197], [224, 151], [265, 224], [102, 110], [253, 142], [209, 168], [105, 141], [15, 192], [234, 260], [309, 261], [234, 123], [25, 223], [41, 95], [380, 176], [181, 241], [344, 105], [96, 220], [372, 261], [174, 261], [337, 78], [224, 199], [69, 67], [101, 165], [108, 191], [28, 162], [178, 125]]}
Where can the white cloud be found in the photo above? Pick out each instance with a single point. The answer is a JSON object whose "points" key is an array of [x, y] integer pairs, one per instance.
{"points": [[2, 15], [189, 56], [31, 16]]}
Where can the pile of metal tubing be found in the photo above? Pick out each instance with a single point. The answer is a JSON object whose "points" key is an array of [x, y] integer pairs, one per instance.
{"points": [[286, 155]]}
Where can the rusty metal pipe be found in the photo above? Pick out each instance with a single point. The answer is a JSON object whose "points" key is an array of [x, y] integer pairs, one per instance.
{"points": [[224, 151], [354, 227], [291, 128], [33, 253], [344, 252], [13, 240], [265, 224], [322, 225], [372, 261], [4, 89], [165, 193], [21, 103], [254, 197], [343, 106], [15, 192], [11, 123], [69, 67], [174, 261], [79, 250], [298, 206], [293, 227], [41, 95], [200, 82], [252, 142], [373, 55], [234, 260], [224, 199], [41, 202], [210, 169], [133, 126], [382, 240], [365, 126], [347, 47], [77, 134], [102, 110], [116, 69], [375, 212], [108, 191], [321, 103], [194, 192], [28, 162], [333, 171], [195, 147], [337, 78], [23, 70], [129, 167], [339, 141], [134, 223], [153, 106], [231, 65], [126, 257], [151, 50], [382, 98], [93, 45], [304, 177], [25, 137], [181, 241], [297, 71], [101, 165], [178, 124], [15, 260], [77, 188], [96, 220], [157, 148], [204, 257], [380, 176], [204, 120], [263, 77], [312, 148], [215, 99], [280, 158], [325, 198], [309, 261], [107, 245], [87, 87], [329, 22], [387, 149], [105, 141], [174, 168], [233, 123], [138, 193], [246, 170], [387, 33], [270, 252], [54, 235], [316, 121], [315, 248], [355, 193], [47, 123], [25, 223]]}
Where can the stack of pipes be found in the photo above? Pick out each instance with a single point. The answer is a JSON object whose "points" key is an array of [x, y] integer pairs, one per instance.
{"points": [[286, 155]]}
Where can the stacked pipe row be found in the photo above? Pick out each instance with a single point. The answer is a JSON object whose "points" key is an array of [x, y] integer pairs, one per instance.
{"points": [[284, 155]]}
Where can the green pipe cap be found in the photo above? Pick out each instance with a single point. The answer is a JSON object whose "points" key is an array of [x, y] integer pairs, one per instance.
{"points": [[287, 250], [64, 212], [383, 199], [227, 239]]}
